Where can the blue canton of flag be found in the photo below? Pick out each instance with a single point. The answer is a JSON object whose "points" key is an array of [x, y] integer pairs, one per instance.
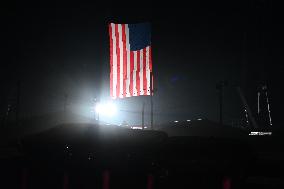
{"points": [[139, 36]]}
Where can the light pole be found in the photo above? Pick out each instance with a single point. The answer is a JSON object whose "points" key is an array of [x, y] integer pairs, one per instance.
{"points": [[96, 112], [220, 87]]}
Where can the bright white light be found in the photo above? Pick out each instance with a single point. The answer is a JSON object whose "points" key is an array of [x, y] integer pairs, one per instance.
{"points": [[176, 121], [99, 108], [199, 119], [108, 109], [260, 133], [136, 127], [188, 120]]}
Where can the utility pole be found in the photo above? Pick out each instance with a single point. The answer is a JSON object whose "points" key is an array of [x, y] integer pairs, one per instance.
{"points": [[18, 101], [220, 87], [221, 105], [143, 108], [65, 106], [247, 108], [97, 112], [263, 107], [151, 96]]}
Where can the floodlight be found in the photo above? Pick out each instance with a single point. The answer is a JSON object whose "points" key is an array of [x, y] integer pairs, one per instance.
{"points": [[108, 109]]}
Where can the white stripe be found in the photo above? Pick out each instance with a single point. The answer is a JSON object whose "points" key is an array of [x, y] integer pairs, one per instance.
{"points": [[141, 72], [148, 70], [114, 61], [121, 60], [134, 73], [128, 60]]}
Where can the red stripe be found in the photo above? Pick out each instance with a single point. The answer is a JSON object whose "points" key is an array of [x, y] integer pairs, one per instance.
{"points": [[138, 74], [124, 60], [111, 60], [144, 73], [118, 60], [131, 72]]}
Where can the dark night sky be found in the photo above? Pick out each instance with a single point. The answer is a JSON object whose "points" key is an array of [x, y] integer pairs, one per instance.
{"points": [[61, 48]]}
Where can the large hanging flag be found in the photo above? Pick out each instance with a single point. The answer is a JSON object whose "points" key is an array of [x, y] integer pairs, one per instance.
{"points": [[130, 60]]}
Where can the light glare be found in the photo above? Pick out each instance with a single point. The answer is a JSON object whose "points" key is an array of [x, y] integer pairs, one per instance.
{"points": [[108, 109]]}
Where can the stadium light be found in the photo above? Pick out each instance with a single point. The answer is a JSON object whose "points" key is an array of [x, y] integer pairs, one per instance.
{"points": [[107, 109]]}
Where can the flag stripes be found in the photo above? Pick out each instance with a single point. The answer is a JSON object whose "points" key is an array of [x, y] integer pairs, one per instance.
{"points": [[129, 69]]}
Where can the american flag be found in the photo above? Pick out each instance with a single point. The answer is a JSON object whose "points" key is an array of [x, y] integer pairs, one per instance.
{"points": [[130, 60]]}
